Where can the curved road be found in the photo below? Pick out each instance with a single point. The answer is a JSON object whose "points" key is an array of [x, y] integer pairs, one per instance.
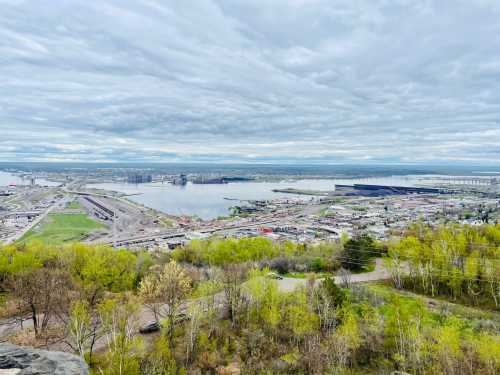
{"points": [[288, 284], [145, 316]]}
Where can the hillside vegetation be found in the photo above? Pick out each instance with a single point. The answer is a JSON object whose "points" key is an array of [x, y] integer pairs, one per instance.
{"points": [[462, 263], [220, 313]]}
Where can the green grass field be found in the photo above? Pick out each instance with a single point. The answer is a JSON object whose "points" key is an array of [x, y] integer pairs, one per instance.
{"points": [[60, 228], [74, 205]]}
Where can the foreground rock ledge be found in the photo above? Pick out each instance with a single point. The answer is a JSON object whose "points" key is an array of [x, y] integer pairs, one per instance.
{"points": [[17, 360]]}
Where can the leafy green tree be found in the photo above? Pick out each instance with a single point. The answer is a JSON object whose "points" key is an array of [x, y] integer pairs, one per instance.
{"points": [[266, 301], [337, 295], [97, 269], [357, 252], [405, 320], [298, 315], [459, 261]]}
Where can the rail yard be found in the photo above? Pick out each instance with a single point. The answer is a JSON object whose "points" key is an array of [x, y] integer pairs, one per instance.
{"points": [[299, 216]]}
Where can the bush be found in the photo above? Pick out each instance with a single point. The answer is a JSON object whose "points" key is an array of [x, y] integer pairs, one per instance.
{"points": [[282, 264], [317, 264]]}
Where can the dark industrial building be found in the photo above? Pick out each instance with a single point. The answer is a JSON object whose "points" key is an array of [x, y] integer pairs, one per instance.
{"points": [[181, 180], [139, 179], [382, 190]]}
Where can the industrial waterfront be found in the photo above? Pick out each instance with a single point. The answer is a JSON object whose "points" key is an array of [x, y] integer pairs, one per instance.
{"points": [[208, 201], [157, 210]]}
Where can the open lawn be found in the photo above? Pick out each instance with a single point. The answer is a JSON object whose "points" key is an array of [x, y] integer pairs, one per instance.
{"points": [[74, 205], [59, 228]]}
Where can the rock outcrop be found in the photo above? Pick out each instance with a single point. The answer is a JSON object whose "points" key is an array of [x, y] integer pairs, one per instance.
{"points": [[27, 361]]}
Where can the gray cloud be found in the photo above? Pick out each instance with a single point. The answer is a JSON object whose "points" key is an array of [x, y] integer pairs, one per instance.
{"points": [[250, 80]]}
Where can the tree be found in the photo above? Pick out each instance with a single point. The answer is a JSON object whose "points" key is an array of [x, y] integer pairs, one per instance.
{"points": [[459, 261], [492, 278], [44, 291], [403, 332], [119, 322], [97, 269], [345, 277], [170, 287], [488, 349], [446, 348], [345, 340], [46, 278], [80, 327], [159, 360], [231, 278], [195, 313], [150, 292], [327, 299], [84, 328], [299, 317], [265, 300], [357, 252], [395, 264]]}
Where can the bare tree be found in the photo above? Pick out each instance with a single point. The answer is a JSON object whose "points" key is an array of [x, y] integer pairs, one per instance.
{"points": [[119, 319], [232, 277], [84, 328], [345, 277], [396, 268], [324, 306], [166, 292], [194, 312], [151, 294], [44, 292]]}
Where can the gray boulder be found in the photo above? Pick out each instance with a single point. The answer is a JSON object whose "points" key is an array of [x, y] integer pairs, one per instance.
{"points": [[39, 362]]}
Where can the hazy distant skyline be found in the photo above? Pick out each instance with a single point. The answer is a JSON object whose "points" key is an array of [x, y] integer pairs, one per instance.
{"points": [[250, 81]]}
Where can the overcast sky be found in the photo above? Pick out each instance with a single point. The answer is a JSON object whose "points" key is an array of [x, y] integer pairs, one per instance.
{"points": [[253, 80]]}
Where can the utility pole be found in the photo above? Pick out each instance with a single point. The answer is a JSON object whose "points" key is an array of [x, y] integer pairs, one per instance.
{"points": [[114, 228]]}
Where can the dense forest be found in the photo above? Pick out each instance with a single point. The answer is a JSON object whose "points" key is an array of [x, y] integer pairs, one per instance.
{"points": [[460, 262], [221, 309]]}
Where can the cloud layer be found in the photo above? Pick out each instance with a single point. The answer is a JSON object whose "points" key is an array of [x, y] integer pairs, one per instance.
{"points": [[250, 80]]}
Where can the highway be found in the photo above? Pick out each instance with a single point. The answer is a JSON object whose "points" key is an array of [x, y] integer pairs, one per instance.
{"points": [[180, 233]]}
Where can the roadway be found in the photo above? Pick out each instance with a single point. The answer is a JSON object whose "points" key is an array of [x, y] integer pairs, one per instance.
{"points": [[165, 235], [11, 326], [288, 284], [152, 237]]}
